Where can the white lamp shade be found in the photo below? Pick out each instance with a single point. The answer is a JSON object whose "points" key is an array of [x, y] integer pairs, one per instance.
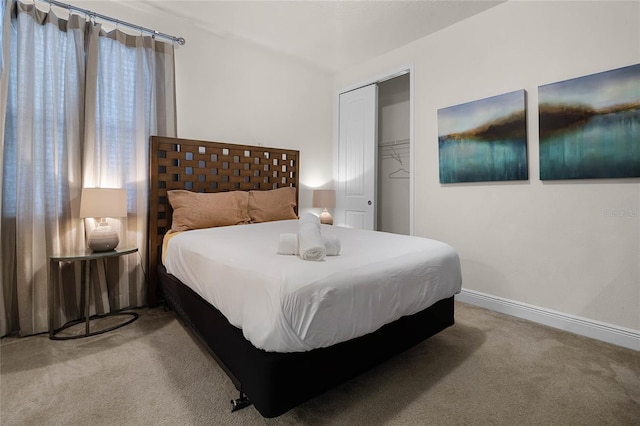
{"points": [[103, 202], [324, 198]]}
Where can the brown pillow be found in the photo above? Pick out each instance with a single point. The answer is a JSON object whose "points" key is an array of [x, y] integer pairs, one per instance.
{"points": [[195, 210], [276, 204]]}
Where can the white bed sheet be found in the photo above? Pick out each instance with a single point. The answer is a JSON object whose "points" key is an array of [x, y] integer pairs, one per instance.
{"points": [[285, 304]]}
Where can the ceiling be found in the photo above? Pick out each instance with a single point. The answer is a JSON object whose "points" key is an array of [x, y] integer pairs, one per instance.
{"points": [[332, 35]]}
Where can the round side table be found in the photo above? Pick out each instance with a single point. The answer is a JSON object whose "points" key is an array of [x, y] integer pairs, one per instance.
{"points": [[86, 257]]}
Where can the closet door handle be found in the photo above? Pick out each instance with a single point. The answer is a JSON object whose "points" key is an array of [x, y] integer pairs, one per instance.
{"points": [[369, 202]]}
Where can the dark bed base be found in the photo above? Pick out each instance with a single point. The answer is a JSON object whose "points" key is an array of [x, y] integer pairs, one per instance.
{"points": [[276, 382]]}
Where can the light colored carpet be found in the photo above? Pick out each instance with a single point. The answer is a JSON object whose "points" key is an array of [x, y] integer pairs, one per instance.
{"points": [[488, 369]]}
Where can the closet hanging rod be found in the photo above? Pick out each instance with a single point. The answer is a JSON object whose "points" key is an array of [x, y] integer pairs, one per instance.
{"points": [[395, 142], [180, 40]]}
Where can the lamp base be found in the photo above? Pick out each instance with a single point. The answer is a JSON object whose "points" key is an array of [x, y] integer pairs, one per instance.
{"points": [[103, 238], [326, 218]]}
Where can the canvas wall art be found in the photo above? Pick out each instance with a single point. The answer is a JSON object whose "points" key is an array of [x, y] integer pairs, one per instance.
{"points": [[484, 140], [590, 126]]}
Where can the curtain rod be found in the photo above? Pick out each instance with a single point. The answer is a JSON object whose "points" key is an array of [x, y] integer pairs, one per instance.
{"points": [[180, 40]]}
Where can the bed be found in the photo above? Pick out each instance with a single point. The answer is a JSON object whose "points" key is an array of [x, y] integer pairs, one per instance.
{"points": [[273, 380]]}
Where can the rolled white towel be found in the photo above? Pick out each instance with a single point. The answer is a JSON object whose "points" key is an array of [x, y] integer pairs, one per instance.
{"points": [[309, 218], [310, 245], [331, 244], [288, 244]]}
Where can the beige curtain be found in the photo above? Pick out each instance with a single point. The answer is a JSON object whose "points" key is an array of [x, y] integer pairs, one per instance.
{"points": [[4, 82], [41, 169], [62, 132], [130, 96]]}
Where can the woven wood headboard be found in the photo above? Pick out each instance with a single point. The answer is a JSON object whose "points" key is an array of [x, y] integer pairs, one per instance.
{"points": [[202, 166]]}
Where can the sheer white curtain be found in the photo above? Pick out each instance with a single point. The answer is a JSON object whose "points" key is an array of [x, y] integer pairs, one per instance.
{"points": [[4, 82], [130, 93], [41, 169], [63, 132]]}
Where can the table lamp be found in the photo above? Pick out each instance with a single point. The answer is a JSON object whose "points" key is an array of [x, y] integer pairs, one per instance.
{"points": [[103, 203], [325, 198]]}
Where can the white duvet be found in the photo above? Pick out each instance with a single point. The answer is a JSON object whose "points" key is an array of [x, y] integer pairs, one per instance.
{"points": [[285, 304]]}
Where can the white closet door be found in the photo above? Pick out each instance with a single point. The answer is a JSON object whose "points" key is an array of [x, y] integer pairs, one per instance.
{"points": [[357, 159]]}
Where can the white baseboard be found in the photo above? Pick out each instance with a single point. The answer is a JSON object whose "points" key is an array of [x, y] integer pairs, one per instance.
{"points": [[609, 333]]}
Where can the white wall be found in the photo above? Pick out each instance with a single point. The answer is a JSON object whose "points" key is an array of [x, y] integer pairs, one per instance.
{"points": [[548, 244], [232, 91]]}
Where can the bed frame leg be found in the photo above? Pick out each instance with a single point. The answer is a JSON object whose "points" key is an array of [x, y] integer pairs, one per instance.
{"points": [[240, 403]]}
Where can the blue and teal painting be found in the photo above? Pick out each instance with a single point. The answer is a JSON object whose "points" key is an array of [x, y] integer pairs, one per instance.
{"points": [[484, 140], [590, 126]]}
